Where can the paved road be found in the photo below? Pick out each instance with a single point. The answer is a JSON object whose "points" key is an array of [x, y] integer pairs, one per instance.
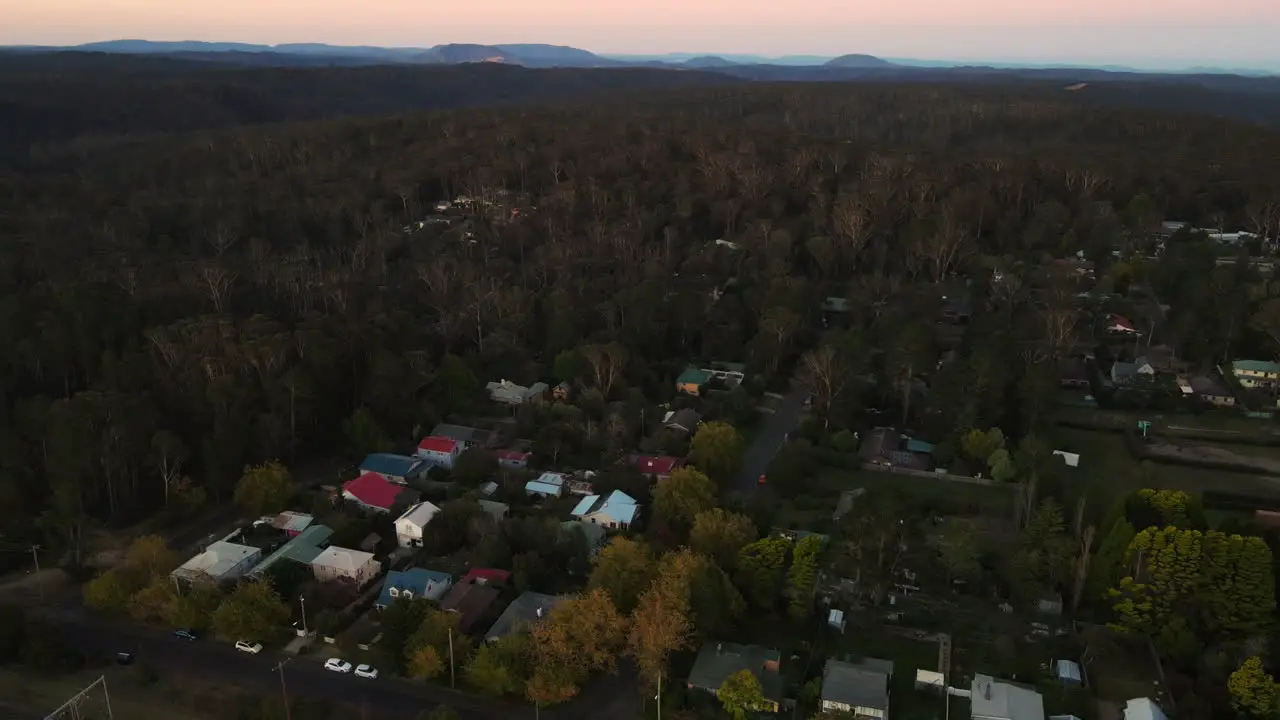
{"points": [[305, 675], [767, 443]]}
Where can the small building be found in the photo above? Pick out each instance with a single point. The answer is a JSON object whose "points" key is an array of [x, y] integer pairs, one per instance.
{"points": [[718, 661], [410, 525], [1143, 709], [991, 699], [509, 393], [684, 421], [580, 485], [835, 620], [525, 611], [890, 448], [1068, 672], [1256, 373], [469, 436], [471, 598], [860, 688], [291, 522], [548, 484], [398, 469], [487, 576], [615, 510], [1127, 373], [656, 467], [301, 549], [592, 533], [343, 564], [513, 459], [1120, 325], [439, 451], [1070, 458], [222, 561], [1211, 391], [692, 380], [374, 492], [562, 391], [413, 583], [496, 510]]}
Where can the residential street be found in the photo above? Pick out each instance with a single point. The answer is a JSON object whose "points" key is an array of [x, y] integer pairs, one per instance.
{"points": [[755, 461], [305, 675]]}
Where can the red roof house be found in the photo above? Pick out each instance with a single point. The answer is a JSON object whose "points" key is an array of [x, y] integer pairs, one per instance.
{"points": [[485, 576], [440, 450], [1119, 324], [372, 491], [513, 458], [657, 465], [438, 444]]}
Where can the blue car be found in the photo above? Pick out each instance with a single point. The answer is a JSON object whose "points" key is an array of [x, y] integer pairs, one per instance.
{"points": [[184, 634]]}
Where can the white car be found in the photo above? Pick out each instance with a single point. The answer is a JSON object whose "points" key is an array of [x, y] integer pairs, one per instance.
{"points": [[367, 671], [252, 648], [337, 665]]}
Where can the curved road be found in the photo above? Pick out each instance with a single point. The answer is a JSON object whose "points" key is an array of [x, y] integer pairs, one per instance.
{"points": [[304, 675]]}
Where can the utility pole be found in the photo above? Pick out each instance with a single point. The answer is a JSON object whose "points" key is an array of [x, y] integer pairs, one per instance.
{"points": [[659, 697], [452, 681], [303, 602], [284, 691], [35, 557]]}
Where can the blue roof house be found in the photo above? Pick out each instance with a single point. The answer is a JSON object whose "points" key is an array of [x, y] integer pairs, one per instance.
{"points": [[394, 468], [548, 484], [615, 510], [413, 583]]}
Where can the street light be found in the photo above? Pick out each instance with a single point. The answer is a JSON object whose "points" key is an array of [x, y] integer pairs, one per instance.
{"points": [[302, 601]]}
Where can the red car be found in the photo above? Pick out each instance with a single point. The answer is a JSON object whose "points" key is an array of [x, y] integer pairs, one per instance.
{"points": [[761, 481]]}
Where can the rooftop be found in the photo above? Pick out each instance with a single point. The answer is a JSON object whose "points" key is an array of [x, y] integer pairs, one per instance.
{"points": [[413, 579], [419, 514], [1258, 366], [594, 534], [373, 490], [717, 661], [217, 560], [994, 698], [462, 433], [486, 576], [292, 521], [527, 609], [302, 548], [656, 464], [618, 506], [860, 684], [693, 376], [342, 558], [471, 601], [389, 464], [435, 444]]}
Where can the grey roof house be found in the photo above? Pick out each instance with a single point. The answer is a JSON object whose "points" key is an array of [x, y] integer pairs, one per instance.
{"points": [[505, 391], [860, 688], [717, 661], [524, 611]]}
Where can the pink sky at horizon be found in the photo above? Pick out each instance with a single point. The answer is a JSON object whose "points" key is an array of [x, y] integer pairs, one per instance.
{"points": [[1092, 30]]}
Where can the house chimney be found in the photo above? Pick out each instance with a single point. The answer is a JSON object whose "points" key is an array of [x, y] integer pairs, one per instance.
{"points": [[539, 612], [719, 647]]}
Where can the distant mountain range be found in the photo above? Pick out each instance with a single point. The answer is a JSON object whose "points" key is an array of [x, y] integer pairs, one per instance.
{"points": [[534, 55]]}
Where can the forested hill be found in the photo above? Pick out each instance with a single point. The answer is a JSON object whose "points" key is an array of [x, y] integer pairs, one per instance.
{"points": [[54, 98], [185, 305]]}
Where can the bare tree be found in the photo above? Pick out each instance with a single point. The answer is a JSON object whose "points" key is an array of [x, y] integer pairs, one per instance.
{"points": [[825, 373], [608, 363], [217, 282]]}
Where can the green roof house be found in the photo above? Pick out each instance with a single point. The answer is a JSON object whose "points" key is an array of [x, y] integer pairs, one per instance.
{"points": [[1256, 373], [691, 381], [719, 660]]}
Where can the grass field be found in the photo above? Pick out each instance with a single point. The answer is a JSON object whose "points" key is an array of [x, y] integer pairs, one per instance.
{"points": [[35, 696]]}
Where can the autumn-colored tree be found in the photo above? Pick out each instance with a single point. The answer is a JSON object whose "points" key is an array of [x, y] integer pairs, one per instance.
{"points": [[582, 635], [194, 608], [1252, 690], [684, 494], [624, 569], [151, 602], [720, 535], [264, 489], [110, 592], [252, 612], [716, 449], [742, 694], [502, 667], [660, 626], [980, 444], [146, 565], [427, 651], [150, 556]]}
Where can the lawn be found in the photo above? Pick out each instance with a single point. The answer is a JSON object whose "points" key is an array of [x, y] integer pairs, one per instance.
{"points": [[944, 496], [133, 695]]}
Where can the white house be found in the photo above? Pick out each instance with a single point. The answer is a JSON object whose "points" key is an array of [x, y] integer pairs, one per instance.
{"points": [[992, 699], [220, 562], [441, 451], [1142, 709], [616, 510], [409, 526], [548, 484], [337, 563]]}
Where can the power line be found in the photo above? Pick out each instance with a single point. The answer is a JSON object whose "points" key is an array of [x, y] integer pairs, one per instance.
{"points": [[70, 710]]}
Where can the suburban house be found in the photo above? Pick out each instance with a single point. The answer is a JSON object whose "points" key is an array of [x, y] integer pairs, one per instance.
{"points": [[548, 484], [615, 510], [1127, 373], [1256, 373], [991, 699], [220, 562], [684, 421], [301, 549], [394, 468], [496, 510], [409, 526], [525, 611], [469, 436], [656, 467], [1119, 325], [336, 563], [888, 447], [691, 381], [413, 583], [472, 597], [860, 688], [513, 459], [592, 533], [1074, 374], [374, 492], [291, 522], [1143, 709], [439, 451], [580, 483], [1211, 391], [505, 391], [718, 661]]}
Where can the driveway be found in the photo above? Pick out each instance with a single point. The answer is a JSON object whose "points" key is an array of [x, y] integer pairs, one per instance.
{"points": [[767, 443]]}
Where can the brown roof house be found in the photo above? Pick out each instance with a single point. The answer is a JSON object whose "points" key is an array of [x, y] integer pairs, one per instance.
{"points": [[474, 594]]}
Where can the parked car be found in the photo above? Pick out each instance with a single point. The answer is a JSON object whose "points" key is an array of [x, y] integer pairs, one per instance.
{"points": [[337, 665], [185, 634], [124, 658], [367, 671], [253, 648]]}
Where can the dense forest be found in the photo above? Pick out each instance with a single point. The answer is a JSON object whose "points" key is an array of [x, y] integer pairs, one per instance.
{"points": [[172, 309]]}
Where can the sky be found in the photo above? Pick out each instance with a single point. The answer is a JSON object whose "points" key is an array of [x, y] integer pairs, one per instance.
{"points": [[1151, 32]]}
